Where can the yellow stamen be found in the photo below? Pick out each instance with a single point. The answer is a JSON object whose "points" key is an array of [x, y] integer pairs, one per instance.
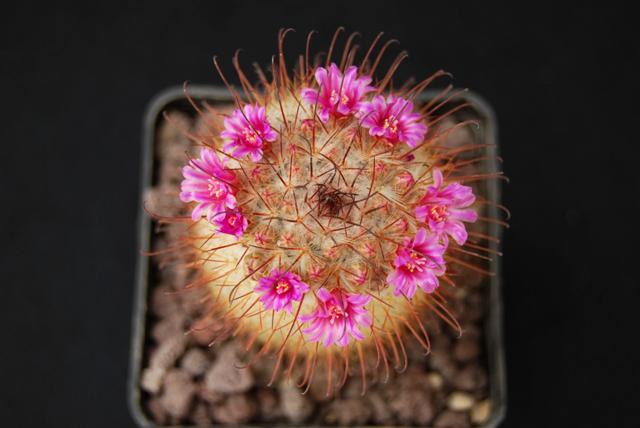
{"points": [[282, 287]]}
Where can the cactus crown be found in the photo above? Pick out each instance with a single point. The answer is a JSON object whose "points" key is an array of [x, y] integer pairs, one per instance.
{"points": [[327, 220]]}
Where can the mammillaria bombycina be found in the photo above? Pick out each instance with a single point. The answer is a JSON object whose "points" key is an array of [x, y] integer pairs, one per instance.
{"points": [[321, 211]]}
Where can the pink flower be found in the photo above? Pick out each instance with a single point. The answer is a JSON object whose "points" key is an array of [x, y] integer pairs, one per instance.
{"points": [[419, 262], [406, 179], [337, 317], [279, 289], [338, 95], [206, 181], [441, 208], [393, 119], [247, 132], [231, 222]]}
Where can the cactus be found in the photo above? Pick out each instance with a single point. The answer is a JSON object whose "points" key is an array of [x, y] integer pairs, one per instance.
{"points": [[327, 222]]}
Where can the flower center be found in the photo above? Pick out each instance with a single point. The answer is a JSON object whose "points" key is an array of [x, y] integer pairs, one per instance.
{"points": [[391, 123], [333, 98], [232, 220], [438, 213], [336, 313], [282, 286], [416, 263], [249, 135], [216, 189]]}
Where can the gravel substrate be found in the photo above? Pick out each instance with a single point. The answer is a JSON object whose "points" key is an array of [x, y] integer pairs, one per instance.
{"points": [[187, 382]]}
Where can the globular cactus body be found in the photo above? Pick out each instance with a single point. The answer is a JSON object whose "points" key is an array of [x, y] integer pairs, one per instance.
{"points": [[327, 220]]}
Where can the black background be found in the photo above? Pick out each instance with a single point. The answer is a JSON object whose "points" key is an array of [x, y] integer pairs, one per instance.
{"points": [[75, 82]]}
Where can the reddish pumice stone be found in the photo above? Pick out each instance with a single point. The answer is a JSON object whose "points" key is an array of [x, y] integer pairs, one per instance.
{"points": [[236, 409], [268, 404], [381, 414], [209, 396], [471, 378], [178, 392], [295, 406], [466, 349], [449, 419], [165, 355], [157, 411], [195, 362], [163, 304], [226, 375], [200, 415], [168, 327], [348, 412], [152, 378]]}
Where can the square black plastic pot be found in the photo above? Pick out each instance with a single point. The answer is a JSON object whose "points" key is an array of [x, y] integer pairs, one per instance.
{"points": [[175, 98]]}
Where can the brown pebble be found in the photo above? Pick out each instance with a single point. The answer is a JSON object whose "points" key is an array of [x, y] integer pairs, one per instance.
{"points": [[415, 352], [172, 325], [295, 406], [474, 307], [191, 302], [413, 406], [178, 393], [163, 304], [157, 412], [352, 411], [268, 404], [176, 276], [162, 201], [195, 362], [170, 169], [353, 388], [171, 132], [236, 409], [471, 378], [209, 396], [226, 376], [175, 231], [449, 419], [441, 361], [262, 369], [200, 415], [415, 377], [165, 355], [466, 349], [151, 379], [470, 278], [204, 331], [318, 389], [471, 331], [380, 411]]}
